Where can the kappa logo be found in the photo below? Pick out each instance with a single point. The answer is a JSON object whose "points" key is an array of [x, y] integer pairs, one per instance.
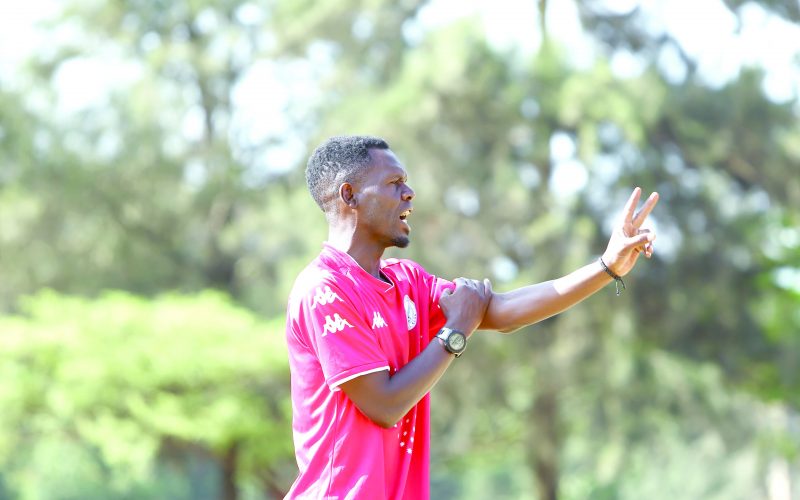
{"points": [[324, 297], [411, 312], [378, 321], [335, 324]]}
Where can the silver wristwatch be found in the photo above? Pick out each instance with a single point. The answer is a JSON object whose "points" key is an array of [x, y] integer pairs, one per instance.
{"points": [[454, 341]]}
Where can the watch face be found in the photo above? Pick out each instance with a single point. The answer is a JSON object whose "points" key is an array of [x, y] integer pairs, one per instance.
{"points": [[457, 341]]}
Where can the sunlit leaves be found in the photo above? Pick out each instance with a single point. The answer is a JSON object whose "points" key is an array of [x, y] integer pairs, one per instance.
{"points": [[132, 378]]}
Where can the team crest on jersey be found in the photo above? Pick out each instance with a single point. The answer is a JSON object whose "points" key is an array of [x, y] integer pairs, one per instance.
{"points": [[411, 312], [324, 297], [335, 324]]}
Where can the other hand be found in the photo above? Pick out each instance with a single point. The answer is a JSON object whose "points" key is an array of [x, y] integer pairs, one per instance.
{"points": [[465, 306]]}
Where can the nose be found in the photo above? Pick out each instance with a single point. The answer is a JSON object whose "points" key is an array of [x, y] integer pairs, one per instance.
{"points": [[408, 193]]}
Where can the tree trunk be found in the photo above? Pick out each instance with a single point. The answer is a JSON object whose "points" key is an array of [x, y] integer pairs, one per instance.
{"points": [[271, 487], [546, 441], [229, 465]]}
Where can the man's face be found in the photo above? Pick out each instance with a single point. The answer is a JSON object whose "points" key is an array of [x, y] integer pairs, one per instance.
{"points": [[384, 200]]}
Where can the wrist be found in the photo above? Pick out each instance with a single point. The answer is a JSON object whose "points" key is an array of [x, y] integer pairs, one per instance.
{"points": [[610, 272], [453, 341], [442, 345], [611, 263], [460, 326]]}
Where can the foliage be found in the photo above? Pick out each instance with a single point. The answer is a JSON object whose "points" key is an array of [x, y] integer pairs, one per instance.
{"points": [[126, 384]]}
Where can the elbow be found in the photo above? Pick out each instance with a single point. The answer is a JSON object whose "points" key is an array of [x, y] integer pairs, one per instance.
{"points": [[384, 417], [501, 316], [504, 328], [386, 423], [377, 400]]}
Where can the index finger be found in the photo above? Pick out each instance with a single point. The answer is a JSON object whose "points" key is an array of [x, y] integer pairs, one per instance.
{"points": [[639, 218], [630, 206], [464, 282]]}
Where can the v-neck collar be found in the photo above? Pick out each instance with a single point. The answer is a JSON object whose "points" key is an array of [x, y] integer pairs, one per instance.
{"points": [[345, 262]]}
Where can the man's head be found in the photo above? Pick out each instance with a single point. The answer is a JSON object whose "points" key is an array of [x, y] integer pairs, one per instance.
{"points": [[360, 184], [337, 160]]}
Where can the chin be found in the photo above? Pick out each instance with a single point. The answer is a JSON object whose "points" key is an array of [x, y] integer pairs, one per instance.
{"points": [[401, 241]]}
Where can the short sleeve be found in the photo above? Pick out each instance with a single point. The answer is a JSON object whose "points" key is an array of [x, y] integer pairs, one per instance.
{"points": [[435, 287], [342, 340]]}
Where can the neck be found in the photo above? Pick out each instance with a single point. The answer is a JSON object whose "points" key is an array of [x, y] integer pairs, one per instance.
{"points": [[367, 256]]}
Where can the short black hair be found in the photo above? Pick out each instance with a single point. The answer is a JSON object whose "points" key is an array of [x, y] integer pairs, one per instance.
{"points": [[339, 159]]}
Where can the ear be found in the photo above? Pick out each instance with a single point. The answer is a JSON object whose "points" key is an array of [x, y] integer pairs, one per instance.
{"points": [[347, 195]]}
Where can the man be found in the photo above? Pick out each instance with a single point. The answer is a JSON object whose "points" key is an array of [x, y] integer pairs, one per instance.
{"points": [[368, 338]]}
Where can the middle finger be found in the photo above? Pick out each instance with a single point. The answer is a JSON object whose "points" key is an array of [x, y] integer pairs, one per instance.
{"points": [[640, 216]]}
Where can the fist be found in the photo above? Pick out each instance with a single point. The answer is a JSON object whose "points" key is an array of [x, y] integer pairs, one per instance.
{"points": [[465, 306]]}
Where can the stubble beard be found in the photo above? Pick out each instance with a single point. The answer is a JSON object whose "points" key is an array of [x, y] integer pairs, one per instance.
{"points": [[401, 241]]}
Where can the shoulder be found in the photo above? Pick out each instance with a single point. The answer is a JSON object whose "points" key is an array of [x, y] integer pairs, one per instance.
{"points": [[318, 284], [405, 266], [317, 303]]}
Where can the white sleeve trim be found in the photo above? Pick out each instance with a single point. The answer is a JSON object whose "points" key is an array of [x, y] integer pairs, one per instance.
{"points": [[335, 387]]}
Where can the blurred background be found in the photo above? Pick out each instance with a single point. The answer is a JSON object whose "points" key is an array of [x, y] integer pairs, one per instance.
{"points": [[154, 214]]}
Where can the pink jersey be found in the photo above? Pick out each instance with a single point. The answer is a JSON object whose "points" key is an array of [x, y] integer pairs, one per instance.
{"points": [[342, 323]]}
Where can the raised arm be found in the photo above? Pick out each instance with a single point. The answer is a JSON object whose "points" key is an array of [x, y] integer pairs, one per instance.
{"points": [[530, 304]]}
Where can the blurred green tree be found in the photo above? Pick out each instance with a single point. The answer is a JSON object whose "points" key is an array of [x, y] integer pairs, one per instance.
{"points": [[127, 386]]}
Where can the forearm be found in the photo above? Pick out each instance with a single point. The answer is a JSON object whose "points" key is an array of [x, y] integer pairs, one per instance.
{"points": [[531, 304], [412, 382], [384, 398]]}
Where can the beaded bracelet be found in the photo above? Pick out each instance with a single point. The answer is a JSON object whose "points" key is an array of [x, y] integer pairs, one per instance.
{"points": [[617, 279]]}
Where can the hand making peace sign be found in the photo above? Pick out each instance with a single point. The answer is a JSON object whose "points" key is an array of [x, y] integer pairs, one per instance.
{"points": [[628, 240]]}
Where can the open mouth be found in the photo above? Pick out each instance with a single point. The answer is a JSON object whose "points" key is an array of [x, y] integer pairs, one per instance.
{"points": [[404, 215]]}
